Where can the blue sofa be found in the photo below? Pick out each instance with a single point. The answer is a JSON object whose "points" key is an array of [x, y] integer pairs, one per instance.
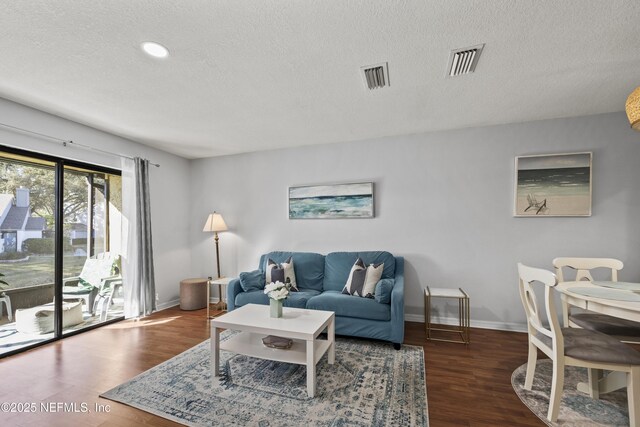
{"points": [[320, 281]]}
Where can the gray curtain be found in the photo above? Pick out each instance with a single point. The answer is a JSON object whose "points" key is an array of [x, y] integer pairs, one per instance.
{"points": [[139, 281]]}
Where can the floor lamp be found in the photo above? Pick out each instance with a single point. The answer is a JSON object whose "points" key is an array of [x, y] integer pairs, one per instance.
{"points": [[215, 223]]}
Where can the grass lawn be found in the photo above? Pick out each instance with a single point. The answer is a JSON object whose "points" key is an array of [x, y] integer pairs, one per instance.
{"points": [[38, 270]]}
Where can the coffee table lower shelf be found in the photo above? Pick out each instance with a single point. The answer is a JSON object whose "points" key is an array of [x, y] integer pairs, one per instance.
{"points": [[250, 344]]}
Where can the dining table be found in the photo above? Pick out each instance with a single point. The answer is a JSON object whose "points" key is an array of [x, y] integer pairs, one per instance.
{"points": [[618, 299]]}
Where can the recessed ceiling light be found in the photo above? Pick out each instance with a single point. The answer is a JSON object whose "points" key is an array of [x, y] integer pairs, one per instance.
{"points": [[155, 49]]}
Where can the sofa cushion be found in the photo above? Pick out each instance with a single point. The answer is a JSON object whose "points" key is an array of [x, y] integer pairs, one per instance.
{"points": [[383, 291], [350, 306], [338, 265], [283, 272], [295, 299], [300, 299], [252, 280], [308, 267], [251, 297]]}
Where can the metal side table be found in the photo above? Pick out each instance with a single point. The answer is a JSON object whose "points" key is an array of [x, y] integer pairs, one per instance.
{"points": [[463, 314], [222, 283]]}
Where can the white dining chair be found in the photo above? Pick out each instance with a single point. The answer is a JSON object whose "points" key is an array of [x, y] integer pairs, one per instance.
{"points": [[624, 330], [572, 346]]}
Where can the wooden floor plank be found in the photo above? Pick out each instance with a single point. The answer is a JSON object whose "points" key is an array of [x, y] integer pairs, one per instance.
{"points": [[466, 385]]}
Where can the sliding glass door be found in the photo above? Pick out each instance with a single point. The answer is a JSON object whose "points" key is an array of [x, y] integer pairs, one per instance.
{"points": [[92, 235], [59, 236]]}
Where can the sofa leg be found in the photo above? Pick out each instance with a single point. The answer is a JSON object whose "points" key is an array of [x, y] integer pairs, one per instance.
{"points": [[397, 346]]}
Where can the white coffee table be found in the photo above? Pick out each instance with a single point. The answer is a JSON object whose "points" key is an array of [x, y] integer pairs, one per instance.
{"points": [[302, 326]]}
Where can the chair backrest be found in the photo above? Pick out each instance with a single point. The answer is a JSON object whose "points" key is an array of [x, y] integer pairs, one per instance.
{"points": [[535, 326], [97, 268], [583, 267]]}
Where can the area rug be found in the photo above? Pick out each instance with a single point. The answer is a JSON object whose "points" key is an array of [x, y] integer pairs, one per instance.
{"points": [[576, 408], [370, 384]]}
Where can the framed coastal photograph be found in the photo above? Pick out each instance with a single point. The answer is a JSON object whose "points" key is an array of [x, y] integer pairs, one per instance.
{"points": [[553, 185], [331, 201]]}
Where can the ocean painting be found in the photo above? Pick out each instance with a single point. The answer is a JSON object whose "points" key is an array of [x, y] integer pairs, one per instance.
{"points": [[553, 185], [331, 201]]}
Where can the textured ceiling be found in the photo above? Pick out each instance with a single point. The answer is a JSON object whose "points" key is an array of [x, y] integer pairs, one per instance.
{"points": [[254, 75]]}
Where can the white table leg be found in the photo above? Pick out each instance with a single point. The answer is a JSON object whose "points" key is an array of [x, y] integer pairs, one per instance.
{"points": [[215, 351], [311, 368], [612, 382], [633, 386], [565, 312], [331, 336]]}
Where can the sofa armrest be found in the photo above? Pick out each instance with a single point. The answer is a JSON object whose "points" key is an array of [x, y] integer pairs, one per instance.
{"points": [[233, 289], [397, 304]]}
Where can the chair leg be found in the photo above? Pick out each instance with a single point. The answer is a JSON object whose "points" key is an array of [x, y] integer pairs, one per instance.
{"points": [[594, 382], [633, 394], [557, 386], [7, 302], [531, 366]]}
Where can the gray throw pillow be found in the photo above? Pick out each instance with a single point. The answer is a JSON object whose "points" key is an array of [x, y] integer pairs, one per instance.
{"points": [[252, 280], [383, 291]]}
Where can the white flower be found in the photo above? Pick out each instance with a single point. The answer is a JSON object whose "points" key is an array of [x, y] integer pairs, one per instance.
{"points": [[276, 290]]}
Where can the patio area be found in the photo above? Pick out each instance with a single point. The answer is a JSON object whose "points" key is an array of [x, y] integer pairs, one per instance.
{"points": [[11, 339]]}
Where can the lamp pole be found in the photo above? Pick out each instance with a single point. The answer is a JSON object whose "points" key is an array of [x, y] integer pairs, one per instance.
{"points": [[215, 237]]}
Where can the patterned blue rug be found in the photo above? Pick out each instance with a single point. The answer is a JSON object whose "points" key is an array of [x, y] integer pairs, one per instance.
{"points": [[370, 384], [576, 408]]}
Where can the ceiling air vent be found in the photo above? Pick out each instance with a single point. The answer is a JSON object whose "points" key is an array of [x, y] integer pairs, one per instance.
{"points": [[463, 61], [375, 76]]}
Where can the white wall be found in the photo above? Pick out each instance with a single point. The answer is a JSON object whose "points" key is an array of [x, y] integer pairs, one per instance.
{"points": [[443, 200], [170, 205]]}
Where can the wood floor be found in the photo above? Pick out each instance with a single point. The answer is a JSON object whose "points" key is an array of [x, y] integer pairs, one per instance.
{"points": [[466, 385]]}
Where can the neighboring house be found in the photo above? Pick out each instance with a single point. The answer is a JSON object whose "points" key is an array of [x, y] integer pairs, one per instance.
{"points": [[78, 230], [16, 222]]}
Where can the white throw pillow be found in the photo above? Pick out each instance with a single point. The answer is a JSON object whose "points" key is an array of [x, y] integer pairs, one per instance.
{"points": [[374, 273], [284, 273], [362, 280]]}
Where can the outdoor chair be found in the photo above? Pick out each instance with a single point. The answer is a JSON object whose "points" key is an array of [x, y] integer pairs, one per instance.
{"points": [[4, 298], [104, 300], [572, 346], [624, 330], [97, 272]]}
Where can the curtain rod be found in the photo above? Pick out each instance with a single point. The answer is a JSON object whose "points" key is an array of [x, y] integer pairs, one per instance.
{"points": [[68, 142]]}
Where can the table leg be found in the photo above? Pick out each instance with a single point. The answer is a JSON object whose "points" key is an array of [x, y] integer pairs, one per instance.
{"points": [[311, 368], [208, 298], [612, 382], [427, 315], [565, 312], [331, 336], [215, 351]]}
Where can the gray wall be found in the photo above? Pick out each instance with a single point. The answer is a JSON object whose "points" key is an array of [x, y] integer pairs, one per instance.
{"points": [[168, 184], [443, 200]]}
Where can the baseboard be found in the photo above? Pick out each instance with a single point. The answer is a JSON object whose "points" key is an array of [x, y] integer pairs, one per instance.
{"points": [[483, 324], [176, 302], [168, 304]]}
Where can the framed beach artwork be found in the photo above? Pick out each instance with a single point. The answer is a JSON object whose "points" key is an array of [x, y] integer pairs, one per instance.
{"points": [[553, 185], [331, 201]]}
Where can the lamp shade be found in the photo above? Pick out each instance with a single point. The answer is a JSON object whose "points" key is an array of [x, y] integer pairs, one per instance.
{"points": [[215, 222], [633, 109]]}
